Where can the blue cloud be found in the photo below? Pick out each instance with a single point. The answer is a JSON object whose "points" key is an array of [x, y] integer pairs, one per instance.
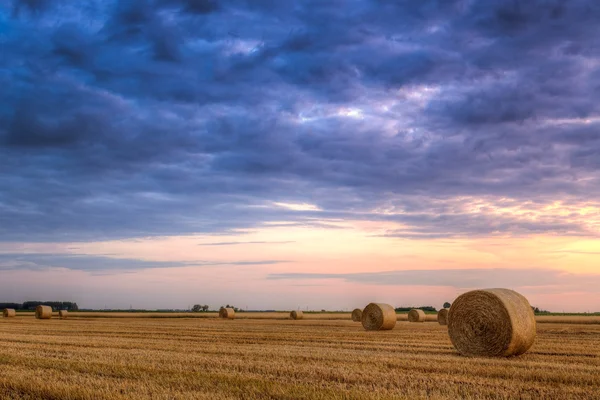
{"points": [[93, 263], [163, 117]]}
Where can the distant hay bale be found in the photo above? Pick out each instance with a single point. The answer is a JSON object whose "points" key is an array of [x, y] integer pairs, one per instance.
{"points": [[63, 314], [378, 317], [416, 315], [227, 313], [491, 322], [296, 314], [443, 316], [9, 313], [43, 312], [357, 315]]}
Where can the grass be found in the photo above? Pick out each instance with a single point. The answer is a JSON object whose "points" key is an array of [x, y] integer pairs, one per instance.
{"points": [[92, 357]]}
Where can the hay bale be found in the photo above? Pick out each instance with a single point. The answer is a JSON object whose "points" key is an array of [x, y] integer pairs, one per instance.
{"points": [[491, 322], [357, 315], [43, 312], [63, 314], [296, 314], [378, 317], [227, 313], [9, 313], [416, 315], [442, 316]]}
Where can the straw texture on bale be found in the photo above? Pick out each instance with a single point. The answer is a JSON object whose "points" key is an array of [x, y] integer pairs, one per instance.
{"points": [[43, 312], [63, 314], [357, 315], [9, 312], [416, 315], [228, 313], [491, 322], [378, 317], [296, 314], [443, 316]]}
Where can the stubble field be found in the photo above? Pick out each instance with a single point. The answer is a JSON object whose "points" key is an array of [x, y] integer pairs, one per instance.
{"points": [[103, 357]]}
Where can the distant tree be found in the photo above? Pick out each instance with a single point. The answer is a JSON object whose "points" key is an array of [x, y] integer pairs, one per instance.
{"points": [[535, 310], [407, 309], [447, 305], [16, 306], [56, 305], [205, 308], [197, 308]]}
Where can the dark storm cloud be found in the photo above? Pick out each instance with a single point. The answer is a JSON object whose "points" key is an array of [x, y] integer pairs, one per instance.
{"points": [[92, 263], [164, 117]]}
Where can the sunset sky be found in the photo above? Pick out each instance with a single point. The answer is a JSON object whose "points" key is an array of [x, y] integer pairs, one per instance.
{"points": [[311, 154]]}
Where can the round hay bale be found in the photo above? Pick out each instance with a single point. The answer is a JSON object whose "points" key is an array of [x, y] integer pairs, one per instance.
{"points": [[43, 312], [357, 315], [227, 313], [63, 314], [443, 316], [416, 315], [491, 322], [378, 317], [296, 314], [9, 313]]}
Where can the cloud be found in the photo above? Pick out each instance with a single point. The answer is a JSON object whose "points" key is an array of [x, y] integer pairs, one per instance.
{"points": [[250, 242], [575, 252], [167, 117], [542, 278], [93, 263]]}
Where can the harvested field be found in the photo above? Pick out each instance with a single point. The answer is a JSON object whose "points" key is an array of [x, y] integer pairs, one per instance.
{"points": [[238, 315], [342, 316], [179, 358]]}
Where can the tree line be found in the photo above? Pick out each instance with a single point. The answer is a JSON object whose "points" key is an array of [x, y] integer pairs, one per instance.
{"points": [[31, 305], [407, 309], [204, 308]]}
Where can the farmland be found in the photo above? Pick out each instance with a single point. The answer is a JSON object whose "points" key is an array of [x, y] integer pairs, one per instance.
{"points": [[324, 356]]}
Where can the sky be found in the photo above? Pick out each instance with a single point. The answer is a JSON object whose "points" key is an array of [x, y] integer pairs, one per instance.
{"points": [[299, 154]]}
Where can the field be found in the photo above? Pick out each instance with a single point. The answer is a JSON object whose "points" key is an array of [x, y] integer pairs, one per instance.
{"points": [[107, 357]]}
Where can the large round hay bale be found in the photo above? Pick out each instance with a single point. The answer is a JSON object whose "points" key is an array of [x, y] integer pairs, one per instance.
{"points": [[43, 312], [442, 316], [357, 315], [227, 313], [416, 315], [491, 322], [378, 317], [296, 314], [9, 313], [63, 314]]}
